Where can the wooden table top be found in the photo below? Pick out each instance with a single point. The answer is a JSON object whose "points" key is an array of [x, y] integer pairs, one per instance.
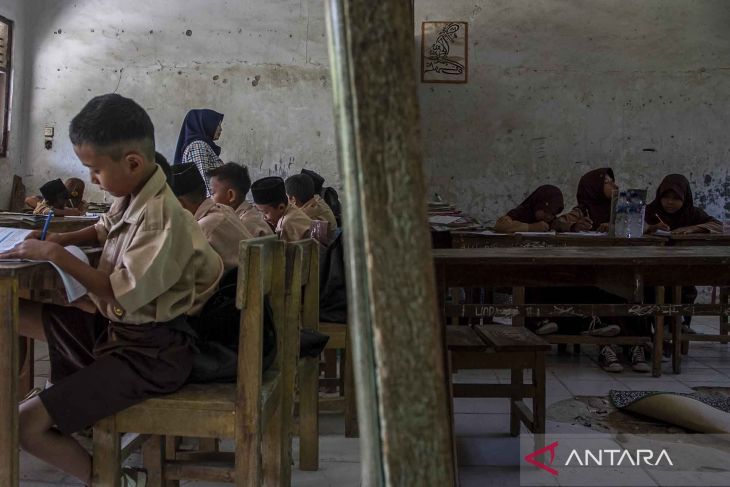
{"points": [[468, 239], [586, 256], [58, 224], [15, 268]]}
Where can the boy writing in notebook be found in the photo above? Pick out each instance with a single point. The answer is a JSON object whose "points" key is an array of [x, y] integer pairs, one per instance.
{"points": [[57, 197], [269, 195], [229, 185], [155, 268], [300, 190], [219, 223]]}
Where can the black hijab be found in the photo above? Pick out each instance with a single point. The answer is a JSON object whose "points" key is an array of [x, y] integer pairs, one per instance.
{"points": [[592, 200], [687, 216], [547, 197], [199, 124]]}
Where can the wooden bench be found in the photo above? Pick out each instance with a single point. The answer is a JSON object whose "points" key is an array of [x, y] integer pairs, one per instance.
{"points": [[255, 411], [502, 347]]}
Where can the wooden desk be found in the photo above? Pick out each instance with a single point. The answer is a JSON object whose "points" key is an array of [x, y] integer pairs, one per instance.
{"points": [[616, 269], [37, 281], [468, 240], [58, 224]]}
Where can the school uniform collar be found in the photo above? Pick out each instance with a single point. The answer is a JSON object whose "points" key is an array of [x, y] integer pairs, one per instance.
{"points": [[313, 203], [204, 208], [129, 208], [244, 207]]}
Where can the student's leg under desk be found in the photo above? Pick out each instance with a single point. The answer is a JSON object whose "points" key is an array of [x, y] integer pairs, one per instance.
{"points": [[658, 335]]}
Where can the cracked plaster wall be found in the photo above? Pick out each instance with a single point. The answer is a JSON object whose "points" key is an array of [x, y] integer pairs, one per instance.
{"points": [[262, 64], [558, 87]]}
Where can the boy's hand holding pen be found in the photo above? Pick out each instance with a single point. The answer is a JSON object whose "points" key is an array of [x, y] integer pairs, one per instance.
{"points": [[35, 246]]}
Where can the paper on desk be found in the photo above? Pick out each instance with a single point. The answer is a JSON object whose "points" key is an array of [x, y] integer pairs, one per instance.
{"points": [[74, 289], [663, 233], [10, 237], [443, 219], [586, 234]]}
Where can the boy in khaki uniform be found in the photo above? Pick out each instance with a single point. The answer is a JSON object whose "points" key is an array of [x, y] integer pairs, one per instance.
{"points": [[300, 189], [219, 223], [155, 268], [229, 185], [269, 195]]}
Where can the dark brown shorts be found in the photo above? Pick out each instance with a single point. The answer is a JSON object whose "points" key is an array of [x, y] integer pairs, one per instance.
{"points": [[100, 367]]}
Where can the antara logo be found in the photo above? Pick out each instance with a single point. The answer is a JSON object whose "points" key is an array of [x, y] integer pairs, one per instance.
{"points": [[600, 458]]}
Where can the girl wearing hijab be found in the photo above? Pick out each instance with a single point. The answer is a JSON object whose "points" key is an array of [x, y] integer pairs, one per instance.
{"points": [[593, 212], [535, 214], [196, 143], [673, 210]]}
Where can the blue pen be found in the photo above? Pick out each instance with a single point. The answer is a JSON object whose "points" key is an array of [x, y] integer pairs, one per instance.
{"points": [[45, 225]]}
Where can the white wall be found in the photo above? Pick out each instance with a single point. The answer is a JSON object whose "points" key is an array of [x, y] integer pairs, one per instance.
{"points": [[558, 87], [263, 64], [15, 11]]}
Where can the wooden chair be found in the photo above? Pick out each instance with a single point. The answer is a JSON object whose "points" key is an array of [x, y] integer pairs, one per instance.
{"points": [[339, 340], [253, 411], [303, 309]]}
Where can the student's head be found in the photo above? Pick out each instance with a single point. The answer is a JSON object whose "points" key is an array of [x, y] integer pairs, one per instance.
{"points": [[542, 205], [229, 184], [596, 186], [75, 188], [188, 185], [609, 184], [316, 179], [300, 189], [164, 165], [269, 195], [55, 193], [114, 138], [673, 192]]}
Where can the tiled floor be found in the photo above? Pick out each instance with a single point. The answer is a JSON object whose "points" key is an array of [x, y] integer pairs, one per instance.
{"points": [[487, 454]]}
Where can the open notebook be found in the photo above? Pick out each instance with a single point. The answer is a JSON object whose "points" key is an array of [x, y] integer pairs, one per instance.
{"points": [[10, 237]]}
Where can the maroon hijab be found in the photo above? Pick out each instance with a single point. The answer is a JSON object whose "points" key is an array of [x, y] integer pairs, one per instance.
{"points": [[687, 216], [591, 199], [547, 197]]}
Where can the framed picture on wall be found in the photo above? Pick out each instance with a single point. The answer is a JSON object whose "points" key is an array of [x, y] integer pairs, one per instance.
{"points": [[444, 53]]}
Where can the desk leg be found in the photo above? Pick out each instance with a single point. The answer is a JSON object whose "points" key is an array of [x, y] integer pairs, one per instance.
{"points": [[658, 336], [724, 320], [538, 400], [677, 334], [518, 297], [516, 379], [8, 382], [26, 376]]}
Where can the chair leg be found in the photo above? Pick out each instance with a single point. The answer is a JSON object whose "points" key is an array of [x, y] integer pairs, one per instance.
{"points": [[658, 336], [330, 366], [351, 426], [724, 321], [26, 375], [514, 418], [153, 459], [538, 400], [172, 445], [272, 450], [106, 467], [308, 415]]}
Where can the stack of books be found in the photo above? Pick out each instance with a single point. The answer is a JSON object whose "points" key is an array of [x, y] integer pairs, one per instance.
{"points": [[445, 217]]}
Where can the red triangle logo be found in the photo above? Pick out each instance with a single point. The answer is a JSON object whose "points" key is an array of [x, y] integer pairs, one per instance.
{"points": [[551, 448]]}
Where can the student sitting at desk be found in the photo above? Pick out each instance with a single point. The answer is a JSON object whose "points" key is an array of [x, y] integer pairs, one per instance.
{"points": [[300, 190], [593, 212], [219, 223], [290, 223], [57, 197], [155, 269], [673, 210], [229, 185], [536, 214]]}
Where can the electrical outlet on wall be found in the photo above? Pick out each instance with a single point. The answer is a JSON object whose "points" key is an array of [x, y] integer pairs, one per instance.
{"points": [[48, 136]]}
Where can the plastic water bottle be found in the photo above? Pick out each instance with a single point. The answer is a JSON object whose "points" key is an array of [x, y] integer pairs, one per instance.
{"points": [[622, 216], [636, 210]]}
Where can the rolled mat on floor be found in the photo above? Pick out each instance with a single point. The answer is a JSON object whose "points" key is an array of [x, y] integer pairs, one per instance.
{"points": [[696, 412]]}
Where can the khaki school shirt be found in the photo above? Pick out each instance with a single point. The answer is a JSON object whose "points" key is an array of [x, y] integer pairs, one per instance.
{"points": [[159, 263], [293, 225], [223, 230], [253, 220], [317, 209]]}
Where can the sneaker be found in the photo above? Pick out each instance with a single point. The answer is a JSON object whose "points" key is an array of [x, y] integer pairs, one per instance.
{"points": [[133, 477], [638, 360], [598, 329], [687, 330], [546, 327], [608, 361]]}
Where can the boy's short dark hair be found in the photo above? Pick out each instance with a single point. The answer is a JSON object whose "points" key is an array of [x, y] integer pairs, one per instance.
{"points": [[187, 182], [235, 174], [162, 162], [301, 187], [108, 122]]}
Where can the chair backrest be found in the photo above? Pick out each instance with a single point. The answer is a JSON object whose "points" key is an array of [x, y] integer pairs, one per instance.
{"points": [[260, 275], [303, 277]]}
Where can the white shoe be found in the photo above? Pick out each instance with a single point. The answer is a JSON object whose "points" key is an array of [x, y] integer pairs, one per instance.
{"points": [[546, 327], [598, 329], [638, 360], [608, 360]]}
